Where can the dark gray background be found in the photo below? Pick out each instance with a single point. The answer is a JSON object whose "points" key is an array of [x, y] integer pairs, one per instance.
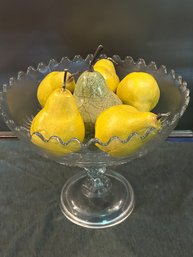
{"points": [[34, 31]]}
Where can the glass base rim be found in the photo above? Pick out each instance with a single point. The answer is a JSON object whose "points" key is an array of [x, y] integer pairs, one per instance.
{"points": [[97, 225]]}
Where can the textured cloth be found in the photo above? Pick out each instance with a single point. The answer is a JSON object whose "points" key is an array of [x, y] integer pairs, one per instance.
{"points": [[32, 225]]}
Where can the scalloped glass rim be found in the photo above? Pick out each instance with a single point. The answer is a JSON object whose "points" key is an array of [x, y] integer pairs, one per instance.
{"points": [[43, 69]]}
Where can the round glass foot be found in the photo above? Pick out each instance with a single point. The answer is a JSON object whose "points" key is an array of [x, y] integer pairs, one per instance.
{"points": [[97, 202]]}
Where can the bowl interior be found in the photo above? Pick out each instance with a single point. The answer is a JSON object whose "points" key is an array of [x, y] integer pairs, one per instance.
{"points": [[19, 104]]}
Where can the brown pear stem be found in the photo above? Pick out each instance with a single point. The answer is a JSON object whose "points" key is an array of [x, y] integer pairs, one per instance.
{"points": [[96, 54], [65, 78]]}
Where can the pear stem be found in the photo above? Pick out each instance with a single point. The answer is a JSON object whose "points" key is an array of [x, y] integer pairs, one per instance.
{"points": [[65, 78], [96, 54]]}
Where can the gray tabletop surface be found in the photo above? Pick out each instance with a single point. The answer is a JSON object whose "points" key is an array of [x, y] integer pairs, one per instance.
{"points": [[32, 225]]}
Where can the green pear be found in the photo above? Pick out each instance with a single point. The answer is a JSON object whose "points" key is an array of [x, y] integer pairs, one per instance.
{"points": [[92, 97], [92, 94]]}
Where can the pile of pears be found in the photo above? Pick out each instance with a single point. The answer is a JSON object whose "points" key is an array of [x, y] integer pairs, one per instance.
{"points": [[97, 105]]}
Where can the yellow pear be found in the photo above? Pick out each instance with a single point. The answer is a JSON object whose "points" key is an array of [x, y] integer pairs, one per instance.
{"points": [[122, 121], [140, 90], [59, 117], [53, 80], [107, 69]]}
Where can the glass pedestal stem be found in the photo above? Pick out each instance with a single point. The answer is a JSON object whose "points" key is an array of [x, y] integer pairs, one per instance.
{"points": [[95, 198], [97, 184]]}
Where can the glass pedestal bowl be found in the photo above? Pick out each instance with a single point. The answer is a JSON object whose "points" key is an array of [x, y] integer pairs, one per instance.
{"points": [[97, 197]]}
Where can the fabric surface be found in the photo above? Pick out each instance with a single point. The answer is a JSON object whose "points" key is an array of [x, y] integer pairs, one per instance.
{"points": [[32, 225]]}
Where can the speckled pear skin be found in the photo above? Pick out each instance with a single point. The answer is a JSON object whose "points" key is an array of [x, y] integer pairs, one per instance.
{"points": [[92, 96]]}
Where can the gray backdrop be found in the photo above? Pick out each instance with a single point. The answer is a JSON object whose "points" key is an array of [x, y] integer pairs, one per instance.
{"points": [[34, 31]]}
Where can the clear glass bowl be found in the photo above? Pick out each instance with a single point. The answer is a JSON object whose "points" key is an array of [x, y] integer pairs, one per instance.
{"points": [[97, 197]]}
